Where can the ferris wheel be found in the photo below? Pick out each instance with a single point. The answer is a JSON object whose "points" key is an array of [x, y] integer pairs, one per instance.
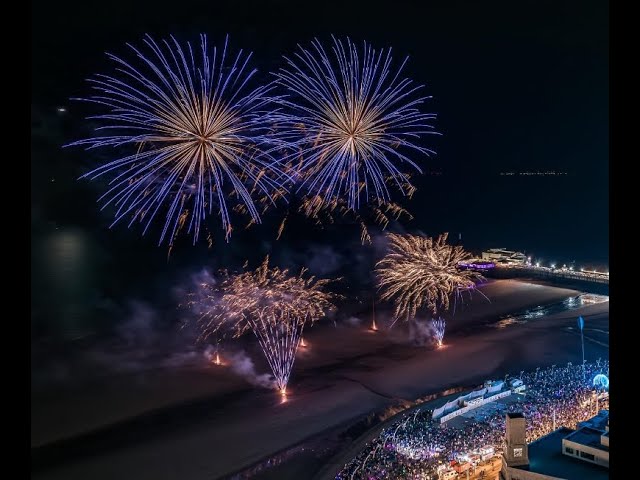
{"points": [[601, 382]]}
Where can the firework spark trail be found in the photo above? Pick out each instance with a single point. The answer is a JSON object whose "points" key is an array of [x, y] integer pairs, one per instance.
{"points": [[326, 213], [272, 304], [346, 120], [191, 125], [438, 325], [279, 342], [422, 272]]}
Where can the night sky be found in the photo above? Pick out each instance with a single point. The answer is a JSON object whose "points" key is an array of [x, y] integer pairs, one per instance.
{"points": [[518, 87]]}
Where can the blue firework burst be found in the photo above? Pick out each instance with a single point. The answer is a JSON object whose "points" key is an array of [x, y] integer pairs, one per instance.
{"points": [[351, 122], [190, 136]]}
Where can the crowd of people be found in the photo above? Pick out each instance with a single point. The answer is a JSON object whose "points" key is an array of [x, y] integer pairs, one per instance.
{"points": [[416, 446]]}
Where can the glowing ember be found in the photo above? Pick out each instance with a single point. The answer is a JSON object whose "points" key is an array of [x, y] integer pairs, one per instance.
{"points": [[374, 327], [322, 213]]}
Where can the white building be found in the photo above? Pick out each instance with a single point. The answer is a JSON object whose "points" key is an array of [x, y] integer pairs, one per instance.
{"points": [[504, 256], [564, 454]]}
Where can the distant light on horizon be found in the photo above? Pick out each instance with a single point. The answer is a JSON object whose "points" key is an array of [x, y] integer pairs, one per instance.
{"points": [[536, 173], [61, 109]]}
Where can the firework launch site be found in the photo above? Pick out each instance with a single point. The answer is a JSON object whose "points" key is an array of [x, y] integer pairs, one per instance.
{"points": [[210, 416]]}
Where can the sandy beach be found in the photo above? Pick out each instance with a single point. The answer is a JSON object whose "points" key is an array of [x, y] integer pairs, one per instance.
{"points": [[213, 422]]}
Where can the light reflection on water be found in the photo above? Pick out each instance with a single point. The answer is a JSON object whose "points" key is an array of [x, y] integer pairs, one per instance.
{"points": [[66, 253], [63, 273], [568, 304]]}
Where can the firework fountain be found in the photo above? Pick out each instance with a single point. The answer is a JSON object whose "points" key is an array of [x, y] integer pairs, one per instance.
{"points": [[438, 326], [274, 305]]}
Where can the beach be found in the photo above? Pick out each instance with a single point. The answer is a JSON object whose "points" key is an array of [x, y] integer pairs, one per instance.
{"points": [[214, 422]]}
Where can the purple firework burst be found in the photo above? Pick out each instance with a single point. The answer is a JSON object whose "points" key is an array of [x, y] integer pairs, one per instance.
{"points": [[348, 119], [190, 136]]}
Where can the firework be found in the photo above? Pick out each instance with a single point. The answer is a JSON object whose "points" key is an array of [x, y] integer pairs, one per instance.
{"points": [[190, 136], [323, 213], [348, 119], [438, 326], [423, 272], [379, 213], [274, 305]]}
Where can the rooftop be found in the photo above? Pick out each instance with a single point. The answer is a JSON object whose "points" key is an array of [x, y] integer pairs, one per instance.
{"points": [[599, 422], [546, 457], [589, 437]]}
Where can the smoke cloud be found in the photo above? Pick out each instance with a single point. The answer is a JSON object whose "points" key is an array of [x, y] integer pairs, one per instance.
{"points": [[420, 332], [144, 341], [242, 365], [324, 260], [353, 321]]}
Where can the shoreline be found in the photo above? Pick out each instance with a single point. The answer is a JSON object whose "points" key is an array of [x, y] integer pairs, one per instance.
{"points": [[327, 394], [144, 394]]}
